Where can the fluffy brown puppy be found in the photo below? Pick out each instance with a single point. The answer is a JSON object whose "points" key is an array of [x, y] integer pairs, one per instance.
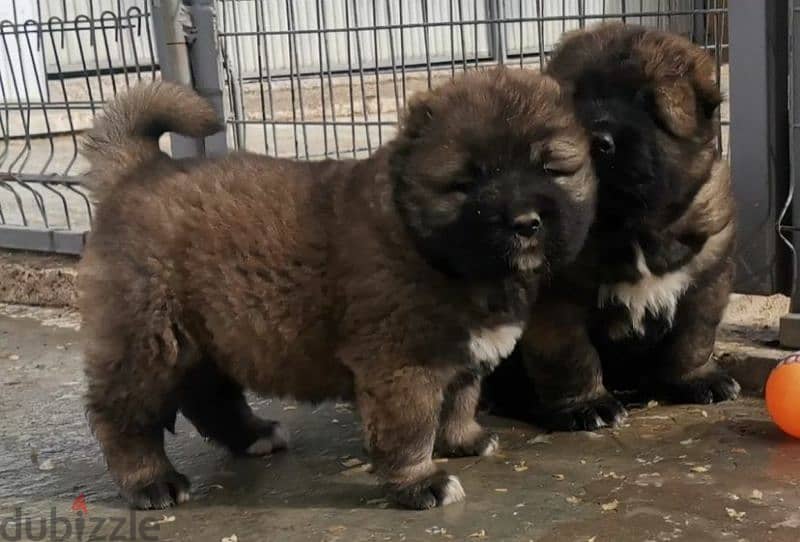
{"points": [[639, 308], [396, 281]]}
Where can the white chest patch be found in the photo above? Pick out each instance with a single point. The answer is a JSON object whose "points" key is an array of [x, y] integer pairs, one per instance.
{"points": [[491, 345], [657, 295]]}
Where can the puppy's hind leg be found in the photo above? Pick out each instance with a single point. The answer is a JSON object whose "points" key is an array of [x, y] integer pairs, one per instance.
{"points": [[216, 406], [138, 464], [130, 402]]}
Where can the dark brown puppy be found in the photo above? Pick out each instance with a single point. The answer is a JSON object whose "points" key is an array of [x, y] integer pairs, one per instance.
{"points": [[640, 306], [397, 281]]}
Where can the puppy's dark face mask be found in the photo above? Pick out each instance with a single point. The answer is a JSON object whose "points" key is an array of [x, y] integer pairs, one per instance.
{"points": [[618, 111], [649, 101], [492, 176]]}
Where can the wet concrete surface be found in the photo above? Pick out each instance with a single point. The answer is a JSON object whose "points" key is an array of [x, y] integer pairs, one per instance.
{"points": [[721, 472]]}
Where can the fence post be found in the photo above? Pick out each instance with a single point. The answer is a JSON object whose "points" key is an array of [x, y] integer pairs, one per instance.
{"points": [[699, 22], [496, 31], [759, 140], [185, 36], [790, 323], [206, 66], [170, 22]]}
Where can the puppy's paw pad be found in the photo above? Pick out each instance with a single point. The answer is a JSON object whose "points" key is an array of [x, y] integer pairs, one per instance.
{"points": [[586, 415], [276, 438], [440, 489], [714, 387], [169, 490]]}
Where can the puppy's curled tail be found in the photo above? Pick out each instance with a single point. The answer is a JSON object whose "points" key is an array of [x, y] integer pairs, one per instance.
{"points": [[127, 133]]}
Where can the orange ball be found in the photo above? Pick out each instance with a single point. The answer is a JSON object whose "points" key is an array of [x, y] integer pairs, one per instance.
{"points": [[783, 395]]}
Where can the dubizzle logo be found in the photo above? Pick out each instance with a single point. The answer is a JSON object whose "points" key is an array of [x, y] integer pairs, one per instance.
{"points": [[78, 526], [79, 505]]}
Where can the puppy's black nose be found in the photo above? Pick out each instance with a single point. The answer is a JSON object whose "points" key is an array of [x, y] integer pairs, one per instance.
{"points": [[603, 142], [528, 224]]}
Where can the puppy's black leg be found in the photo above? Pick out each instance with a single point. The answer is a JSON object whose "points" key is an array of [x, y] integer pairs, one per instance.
{"points": [[685, 371], [567, 372], [217, 407], [459, 433]]}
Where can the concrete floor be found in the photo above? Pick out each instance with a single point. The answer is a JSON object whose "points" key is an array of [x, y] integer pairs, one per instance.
{"points": [[672, 473]]}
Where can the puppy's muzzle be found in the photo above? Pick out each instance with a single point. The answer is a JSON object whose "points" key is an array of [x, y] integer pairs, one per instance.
{"points": [[603, 142], [528, 224]]}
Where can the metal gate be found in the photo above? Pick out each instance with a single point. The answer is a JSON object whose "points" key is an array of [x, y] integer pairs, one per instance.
{"points": [[59, 61]]}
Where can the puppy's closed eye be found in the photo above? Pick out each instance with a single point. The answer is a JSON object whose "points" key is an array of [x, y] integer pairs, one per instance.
{"points": [[559, 169], [461, 184], [473, 176]]}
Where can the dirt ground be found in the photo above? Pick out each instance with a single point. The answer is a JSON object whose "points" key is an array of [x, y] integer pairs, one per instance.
{"points": [[690, 473]]}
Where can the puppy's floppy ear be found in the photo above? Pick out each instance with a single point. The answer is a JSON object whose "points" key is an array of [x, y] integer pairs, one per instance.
{"points": [[414, 122], [685, 105], [419, 114], [686, 95], [708, 95]]}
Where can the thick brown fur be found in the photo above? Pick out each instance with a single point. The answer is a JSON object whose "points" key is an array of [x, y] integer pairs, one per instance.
{"points": [[639, 308], [396, 281]]}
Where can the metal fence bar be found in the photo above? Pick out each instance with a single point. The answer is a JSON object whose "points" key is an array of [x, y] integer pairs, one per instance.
{"points": [[496, 36], [759, 161], [490, 20], [42, 240]]}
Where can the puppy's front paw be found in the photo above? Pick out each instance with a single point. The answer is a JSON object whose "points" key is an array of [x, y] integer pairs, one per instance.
{"points": [[584, 415], [483, 443], [166, 491], [710, 388], [487, 445], [273, 438], [439, 489]]}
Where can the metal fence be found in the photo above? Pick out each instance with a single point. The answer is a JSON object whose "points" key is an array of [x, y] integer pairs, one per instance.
{"points": [[315, 78], [308, 79]]}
